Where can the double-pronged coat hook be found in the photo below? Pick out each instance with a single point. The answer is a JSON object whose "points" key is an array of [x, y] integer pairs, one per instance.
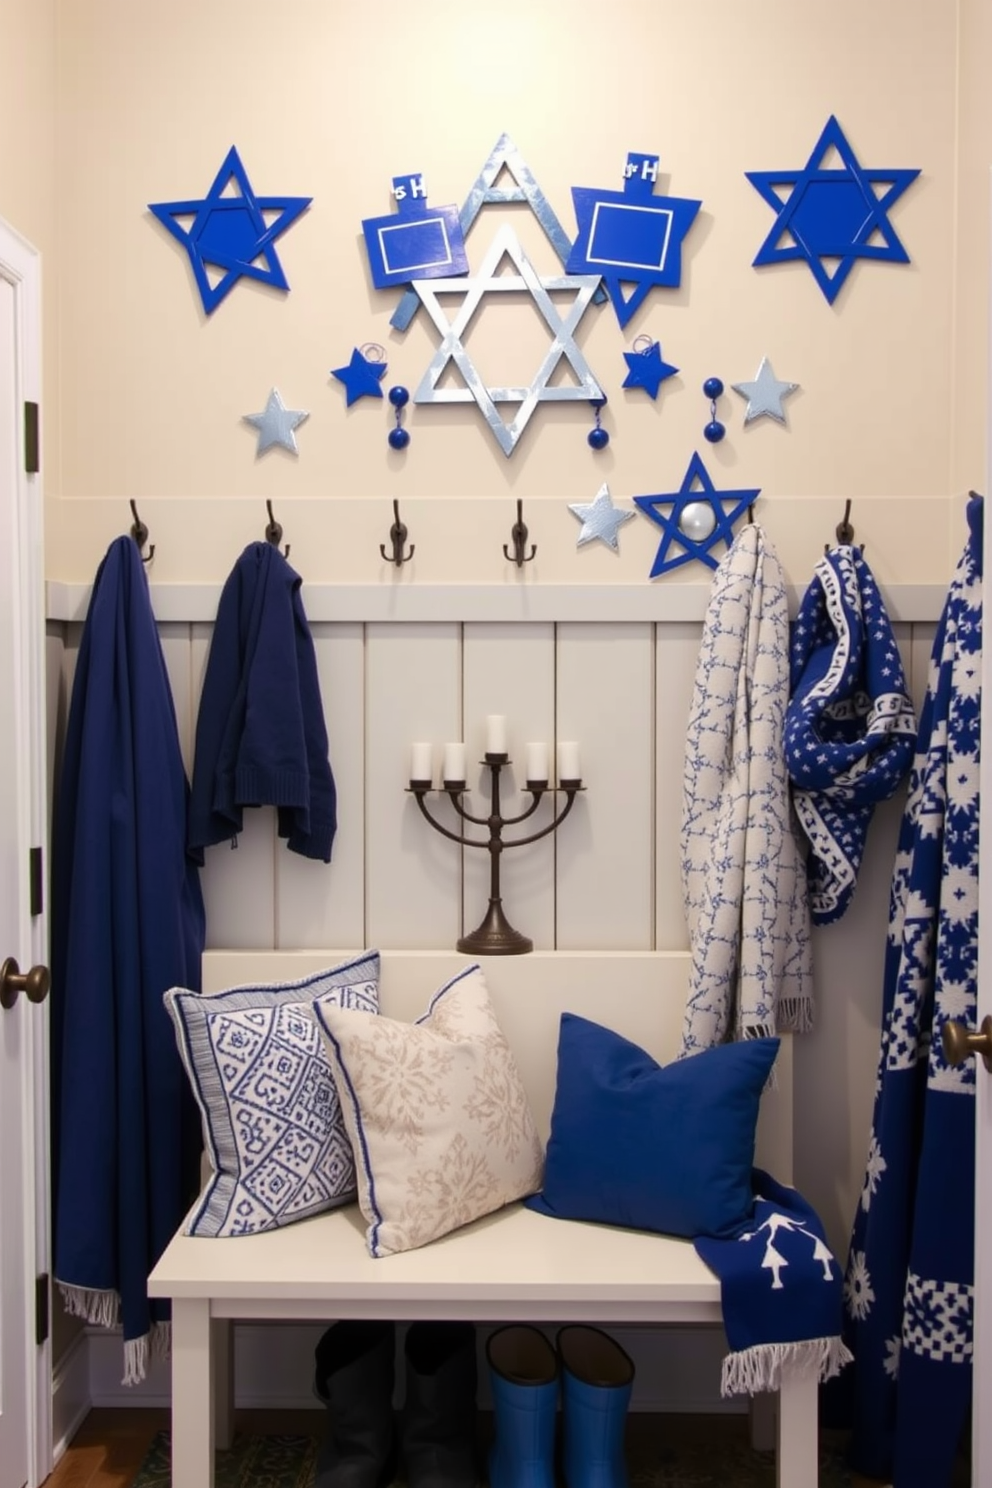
{"points": [[397, 536], [519, 534], [273, 531], [140, 534], [844, 530]]}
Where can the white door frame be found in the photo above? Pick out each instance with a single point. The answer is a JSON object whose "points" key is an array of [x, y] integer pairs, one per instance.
{"points": [[20, 265]]}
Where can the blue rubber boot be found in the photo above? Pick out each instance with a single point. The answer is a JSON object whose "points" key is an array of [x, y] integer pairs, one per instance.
{"points": [[523, 1377], [597, 1378]]}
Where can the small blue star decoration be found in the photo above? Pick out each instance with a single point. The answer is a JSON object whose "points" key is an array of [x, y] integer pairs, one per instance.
{"points": [[646, 369], [631, 236], [698, 518], [417, 242], [361, 377], [229, 232], [831, 214]]}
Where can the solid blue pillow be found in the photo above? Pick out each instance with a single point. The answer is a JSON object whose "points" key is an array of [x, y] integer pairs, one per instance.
{"points": [[652, 1147]]}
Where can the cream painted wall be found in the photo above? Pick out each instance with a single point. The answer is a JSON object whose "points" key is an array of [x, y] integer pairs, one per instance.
{"points": [[27, 165], [332, 99]]}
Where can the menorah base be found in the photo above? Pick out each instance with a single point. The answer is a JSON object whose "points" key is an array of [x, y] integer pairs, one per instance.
{"points": [[495, 936]]}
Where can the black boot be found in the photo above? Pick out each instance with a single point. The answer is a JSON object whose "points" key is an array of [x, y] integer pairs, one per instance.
{"points": [[438, 1424], [354, 1379]]}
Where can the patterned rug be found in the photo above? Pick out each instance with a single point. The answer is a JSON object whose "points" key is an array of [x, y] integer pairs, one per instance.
{"points": [[289, 1462]]}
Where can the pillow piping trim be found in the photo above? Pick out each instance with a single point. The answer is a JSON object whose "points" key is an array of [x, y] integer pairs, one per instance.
{"points": [[360, 1129]]}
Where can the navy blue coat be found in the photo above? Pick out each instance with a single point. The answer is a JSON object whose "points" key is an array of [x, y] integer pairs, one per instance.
{"points": [[127, 924]]}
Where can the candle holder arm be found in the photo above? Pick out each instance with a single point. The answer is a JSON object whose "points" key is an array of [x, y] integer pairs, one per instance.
{"points": [[571, 792], [439, 826]]}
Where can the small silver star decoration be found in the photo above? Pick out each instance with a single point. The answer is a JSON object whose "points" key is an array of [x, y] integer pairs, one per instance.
{"points": [[765, 394], [600, 519], [561, 324], [275, 424]]}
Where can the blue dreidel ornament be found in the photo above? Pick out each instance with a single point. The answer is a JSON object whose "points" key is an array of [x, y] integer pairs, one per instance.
{"points": [[714, 430], [399, 437]]}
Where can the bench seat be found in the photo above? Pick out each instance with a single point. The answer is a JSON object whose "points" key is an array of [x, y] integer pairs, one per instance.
{"points": [[512, 1266]]}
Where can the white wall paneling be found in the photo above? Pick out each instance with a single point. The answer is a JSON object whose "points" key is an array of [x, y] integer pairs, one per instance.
{"points": [[510, 669], [413, 691], [605, 851], [321, 904], [675, 670]]}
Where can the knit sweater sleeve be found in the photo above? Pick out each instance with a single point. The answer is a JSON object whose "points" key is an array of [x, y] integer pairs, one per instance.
{"points": [[317, 841]]}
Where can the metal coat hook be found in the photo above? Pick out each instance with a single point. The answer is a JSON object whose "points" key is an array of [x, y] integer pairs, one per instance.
{"points": [[519, 534], [140, 534], [844, 530], [273, 532], [397, 536]]}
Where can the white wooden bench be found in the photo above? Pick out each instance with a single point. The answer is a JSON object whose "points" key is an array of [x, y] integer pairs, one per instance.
{"points": [[511, 1266]]}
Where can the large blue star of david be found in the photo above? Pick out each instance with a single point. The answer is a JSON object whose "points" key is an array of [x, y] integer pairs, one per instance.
{"points": [[703, 499], [229, 232], [506, 244], [631, 236], [504, 160], [830, 213]]}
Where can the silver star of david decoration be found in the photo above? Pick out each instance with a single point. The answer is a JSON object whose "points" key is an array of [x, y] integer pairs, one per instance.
{"points": [[600, 519], [506, 244], [275, 424]]}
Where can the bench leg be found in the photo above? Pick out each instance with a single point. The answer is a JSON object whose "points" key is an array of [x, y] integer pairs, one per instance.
{"points": [[798, 1457], [192, 1395], [223, 1365]]}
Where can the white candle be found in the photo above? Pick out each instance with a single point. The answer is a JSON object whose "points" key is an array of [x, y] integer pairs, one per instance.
{"points": [[495, 733], [537, 762], [568, 761], [422, 761], [454, 762]]}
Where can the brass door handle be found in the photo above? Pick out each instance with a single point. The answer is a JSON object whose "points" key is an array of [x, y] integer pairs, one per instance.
{"points": [[960, 1042], [35, 983]]}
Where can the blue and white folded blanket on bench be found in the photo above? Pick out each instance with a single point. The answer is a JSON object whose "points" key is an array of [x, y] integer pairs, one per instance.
{"points": [[781, 1293]]}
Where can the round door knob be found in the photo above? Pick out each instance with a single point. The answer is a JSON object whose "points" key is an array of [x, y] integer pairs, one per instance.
{"points": [[960, 1042], [34, 983]]}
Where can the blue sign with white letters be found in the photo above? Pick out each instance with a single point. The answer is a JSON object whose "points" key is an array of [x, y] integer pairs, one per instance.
{"points": [[631, 236], [416, 241]]}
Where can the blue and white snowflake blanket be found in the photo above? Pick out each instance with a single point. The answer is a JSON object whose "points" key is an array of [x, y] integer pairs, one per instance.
{"points": [[909, 1285], [743, 876], [850, 726], [780, 1289]]}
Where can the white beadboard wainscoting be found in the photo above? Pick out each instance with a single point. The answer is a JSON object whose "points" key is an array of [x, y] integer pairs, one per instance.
{"points": [[617, 677]]}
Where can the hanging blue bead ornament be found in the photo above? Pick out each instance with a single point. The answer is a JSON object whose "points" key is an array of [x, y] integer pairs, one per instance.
{"points": [[598, 437], [399, 437], [714, 430]]}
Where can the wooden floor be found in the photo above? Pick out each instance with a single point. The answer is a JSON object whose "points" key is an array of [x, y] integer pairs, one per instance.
{"points": [[111, 1444]]}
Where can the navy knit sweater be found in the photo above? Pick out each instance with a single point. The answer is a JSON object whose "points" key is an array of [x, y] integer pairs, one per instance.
{"points": [[260, 732]]}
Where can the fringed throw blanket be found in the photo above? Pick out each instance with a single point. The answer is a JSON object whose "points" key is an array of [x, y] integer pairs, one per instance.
{"points": [[780, 1289], [743, 877], [127, 923], [909, 1286], [850, 727]]}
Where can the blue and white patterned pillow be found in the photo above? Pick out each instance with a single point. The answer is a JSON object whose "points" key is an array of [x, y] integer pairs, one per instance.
{"points": [[272, 1123]]}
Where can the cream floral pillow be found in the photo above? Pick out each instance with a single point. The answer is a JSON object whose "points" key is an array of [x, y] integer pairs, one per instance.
{"points": [[436, 1113]]}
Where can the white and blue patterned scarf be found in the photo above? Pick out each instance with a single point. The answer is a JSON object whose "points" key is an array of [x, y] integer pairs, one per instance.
{"points": [[850, 726], [910, 1273], [743, 876]]}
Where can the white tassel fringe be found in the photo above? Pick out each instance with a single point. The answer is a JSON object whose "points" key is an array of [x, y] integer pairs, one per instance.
{"points": [[760, 1368], [101, 1308]]}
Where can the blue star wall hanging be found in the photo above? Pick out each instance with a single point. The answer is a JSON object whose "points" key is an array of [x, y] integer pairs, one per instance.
{"points": [[417, 241], [631, 236], [275, 424], [504, 160], [561, 324], [646, 369], [229, 233], [361, 377], [698, 519], [832, 216]]}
